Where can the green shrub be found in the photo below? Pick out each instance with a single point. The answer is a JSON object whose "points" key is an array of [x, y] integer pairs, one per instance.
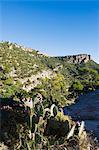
{"points": [[77, 86], [9, 81]]}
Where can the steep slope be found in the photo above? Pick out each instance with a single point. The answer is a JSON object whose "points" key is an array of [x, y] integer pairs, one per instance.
{"points": [[24, 70], [33, 88]]}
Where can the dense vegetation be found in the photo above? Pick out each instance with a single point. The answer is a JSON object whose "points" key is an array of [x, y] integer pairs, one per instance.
{"points": [[26, 74], [19, 66]]}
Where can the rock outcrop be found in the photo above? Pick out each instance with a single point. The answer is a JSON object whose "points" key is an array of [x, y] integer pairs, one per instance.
{"points": [[81, 58]]}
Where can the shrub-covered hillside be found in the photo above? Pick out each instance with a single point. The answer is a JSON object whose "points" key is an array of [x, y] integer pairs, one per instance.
{"points": [[33, 89], [25, 71]]}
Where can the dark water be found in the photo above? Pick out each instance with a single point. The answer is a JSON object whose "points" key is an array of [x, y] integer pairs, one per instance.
{"points": [[86, 109]]}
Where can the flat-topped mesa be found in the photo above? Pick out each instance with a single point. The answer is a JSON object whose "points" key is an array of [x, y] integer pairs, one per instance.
{"points": [[81, 58]]}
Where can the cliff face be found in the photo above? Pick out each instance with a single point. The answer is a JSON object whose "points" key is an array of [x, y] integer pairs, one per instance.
{"points": [[77, 58]]}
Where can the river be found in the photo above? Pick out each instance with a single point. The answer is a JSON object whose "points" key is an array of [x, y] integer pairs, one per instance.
{"points": [[86, 109]]}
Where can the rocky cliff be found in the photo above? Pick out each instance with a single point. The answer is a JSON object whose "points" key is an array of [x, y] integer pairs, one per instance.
{"points": [[76, 58]]}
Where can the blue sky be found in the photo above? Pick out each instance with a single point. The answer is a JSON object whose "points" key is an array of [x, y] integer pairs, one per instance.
{"points": [[53, 27]]}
